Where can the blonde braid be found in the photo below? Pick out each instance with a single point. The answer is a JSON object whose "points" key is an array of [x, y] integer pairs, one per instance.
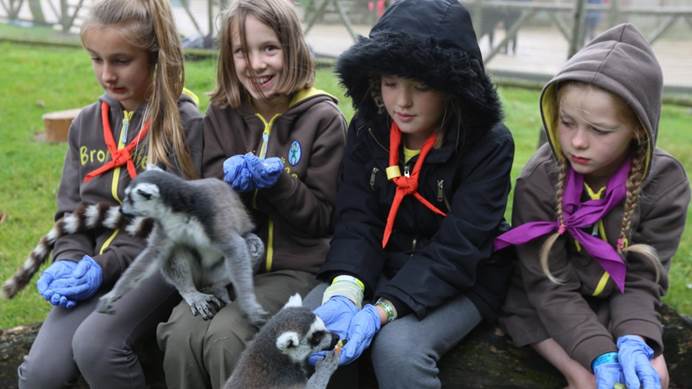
{"points": [[548, 244], [634, 187]]}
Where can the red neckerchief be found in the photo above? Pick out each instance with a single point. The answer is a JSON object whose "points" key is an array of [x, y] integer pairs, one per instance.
{"points": [[405, 185], [118, 157]]}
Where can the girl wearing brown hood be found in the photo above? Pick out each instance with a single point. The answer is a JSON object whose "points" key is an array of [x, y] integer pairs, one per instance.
{"points": [[599, 214]]}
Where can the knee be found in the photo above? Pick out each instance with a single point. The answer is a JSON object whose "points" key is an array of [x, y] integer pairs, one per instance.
{"points": [[177, 340], [93, 347], [394, 353], [39, 375]]}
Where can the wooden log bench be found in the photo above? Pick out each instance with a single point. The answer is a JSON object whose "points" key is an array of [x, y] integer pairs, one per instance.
{"points": [[485, 359]]}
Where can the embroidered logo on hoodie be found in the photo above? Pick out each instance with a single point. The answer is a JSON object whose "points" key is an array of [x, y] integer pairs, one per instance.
{"points": [[294, 153]]}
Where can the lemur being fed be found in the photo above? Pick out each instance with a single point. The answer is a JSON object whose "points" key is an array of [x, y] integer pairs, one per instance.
{"points": [[201, 240], [277, 356]]}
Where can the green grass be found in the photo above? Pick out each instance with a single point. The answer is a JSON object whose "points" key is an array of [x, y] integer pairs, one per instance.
{"points": [[37, 79]]}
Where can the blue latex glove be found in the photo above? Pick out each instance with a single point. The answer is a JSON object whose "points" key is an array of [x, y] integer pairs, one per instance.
{"points": [[607, 371], [265, 172], [362, 329], [237, 174], [635, 358], [84, 281], [55, 276], [336, 314]]}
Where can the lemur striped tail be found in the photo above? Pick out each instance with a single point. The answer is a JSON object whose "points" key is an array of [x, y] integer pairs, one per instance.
{"points": [[84, 218]]}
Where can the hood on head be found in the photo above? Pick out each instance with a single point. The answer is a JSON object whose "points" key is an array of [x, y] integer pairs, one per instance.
{"points": [[430, 41], [621, 61]]}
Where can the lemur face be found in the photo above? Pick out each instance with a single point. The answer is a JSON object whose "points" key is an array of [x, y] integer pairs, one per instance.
{"points": [[310, 334], [141, 199]]}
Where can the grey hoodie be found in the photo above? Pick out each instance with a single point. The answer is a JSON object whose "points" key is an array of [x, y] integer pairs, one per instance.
{"points": [[587, 313]]}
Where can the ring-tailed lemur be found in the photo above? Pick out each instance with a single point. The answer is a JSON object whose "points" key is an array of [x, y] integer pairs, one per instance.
{"points": [[200, 236], [277, 357]]}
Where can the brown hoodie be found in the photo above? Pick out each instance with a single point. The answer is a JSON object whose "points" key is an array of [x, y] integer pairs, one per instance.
{"points": [[295, 217], [114, 250], [587, 313]]}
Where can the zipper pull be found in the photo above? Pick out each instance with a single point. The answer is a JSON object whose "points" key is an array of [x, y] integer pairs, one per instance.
{"points": [[372, 178], [407, 171], [440, 190]]}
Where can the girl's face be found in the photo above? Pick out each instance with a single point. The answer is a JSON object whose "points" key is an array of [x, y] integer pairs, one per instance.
{"points": [[259, 65], [594, 132], [415, 108], [123, 70]]}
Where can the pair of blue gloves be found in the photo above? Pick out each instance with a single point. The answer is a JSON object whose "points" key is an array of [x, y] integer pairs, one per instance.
{"points": [[248, 172], [631, 365], [66, 282], [356, 327]]}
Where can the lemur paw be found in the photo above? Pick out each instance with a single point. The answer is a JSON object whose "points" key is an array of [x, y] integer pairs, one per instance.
{"points": [[330, 363], [220, 291], [258, 317], [205, 305]]}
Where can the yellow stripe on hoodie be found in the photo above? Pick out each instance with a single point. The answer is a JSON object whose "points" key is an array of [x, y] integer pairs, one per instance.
{"points": [[600, 228], [299, 96], [122, 140]]}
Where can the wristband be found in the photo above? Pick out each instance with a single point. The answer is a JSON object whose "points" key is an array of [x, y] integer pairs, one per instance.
{"points": [[347, 286], [611, 357], [387, 307]]}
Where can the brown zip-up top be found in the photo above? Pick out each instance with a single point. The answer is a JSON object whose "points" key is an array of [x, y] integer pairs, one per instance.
{"points": [[295, 217], [587, 313], [114, 250]]}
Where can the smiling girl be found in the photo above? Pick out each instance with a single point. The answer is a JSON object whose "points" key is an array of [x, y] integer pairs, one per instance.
{"points": [[143, 117], [599, 214], [278, 141]]}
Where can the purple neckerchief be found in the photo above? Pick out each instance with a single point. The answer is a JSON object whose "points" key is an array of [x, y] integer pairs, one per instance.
{"points": [[578, 215]]}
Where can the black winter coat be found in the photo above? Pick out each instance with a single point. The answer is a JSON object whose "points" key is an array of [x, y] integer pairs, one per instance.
{"points": [[429, 258]]}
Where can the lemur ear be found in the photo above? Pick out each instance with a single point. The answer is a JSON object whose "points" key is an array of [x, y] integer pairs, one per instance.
{"points": [[287, 340], [294, 301], [151, 166], [147, 191]]}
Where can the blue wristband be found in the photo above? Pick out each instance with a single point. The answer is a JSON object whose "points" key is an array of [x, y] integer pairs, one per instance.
{"points": [[605, 358]]}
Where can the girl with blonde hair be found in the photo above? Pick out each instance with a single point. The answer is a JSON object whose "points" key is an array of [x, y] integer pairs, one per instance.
{"points": [[599, 212], [143, 117]]}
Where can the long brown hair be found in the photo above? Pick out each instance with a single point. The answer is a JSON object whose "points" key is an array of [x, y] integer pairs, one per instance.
{"points": [[638, 150], [298, 65], [149, 24]]}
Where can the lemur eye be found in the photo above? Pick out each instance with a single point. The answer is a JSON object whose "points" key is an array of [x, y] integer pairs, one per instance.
{"points": [[144, 194], [316, 338]]}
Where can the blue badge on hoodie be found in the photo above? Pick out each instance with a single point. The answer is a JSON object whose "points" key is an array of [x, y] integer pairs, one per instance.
{"points": [[294, 153]]}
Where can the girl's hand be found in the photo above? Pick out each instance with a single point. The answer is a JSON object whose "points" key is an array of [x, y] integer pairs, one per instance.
{"points": [[364, 325], [635, 358]]}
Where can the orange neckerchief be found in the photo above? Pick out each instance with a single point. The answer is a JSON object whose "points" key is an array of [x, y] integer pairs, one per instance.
{"points": [[118, 157], [405, 185]]}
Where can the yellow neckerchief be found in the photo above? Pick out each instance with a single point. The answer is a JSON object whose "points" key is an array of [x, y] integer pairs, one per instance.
{"points": [[409, 153], [598, 230]]}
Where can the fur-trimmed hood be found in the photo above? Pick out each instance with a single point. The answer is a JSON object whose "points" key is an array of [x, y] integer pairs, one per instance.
{"points": [[432, 41]]}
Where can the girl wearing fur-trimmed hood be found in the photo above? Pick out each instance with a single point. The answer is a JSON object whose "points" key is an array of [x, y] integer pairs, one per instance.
{"points": [[423, 189], [599, 212]]}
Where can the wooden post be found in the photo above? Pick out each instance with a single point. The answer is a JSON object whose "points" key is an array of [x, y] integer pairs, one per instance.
{"points": [[57, 124], [577, 28], [37, 12], [614, 14]]}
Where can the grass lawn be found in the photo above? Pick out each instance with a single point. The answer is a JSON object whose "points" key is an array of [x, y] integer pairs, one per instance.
{"points": [[38, 79]]}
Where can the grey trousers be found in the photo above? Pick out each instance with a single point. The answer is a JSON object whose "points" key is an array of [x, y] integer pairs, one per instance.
{"points": [[202, 354], [100, 346], [405, 352]]}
